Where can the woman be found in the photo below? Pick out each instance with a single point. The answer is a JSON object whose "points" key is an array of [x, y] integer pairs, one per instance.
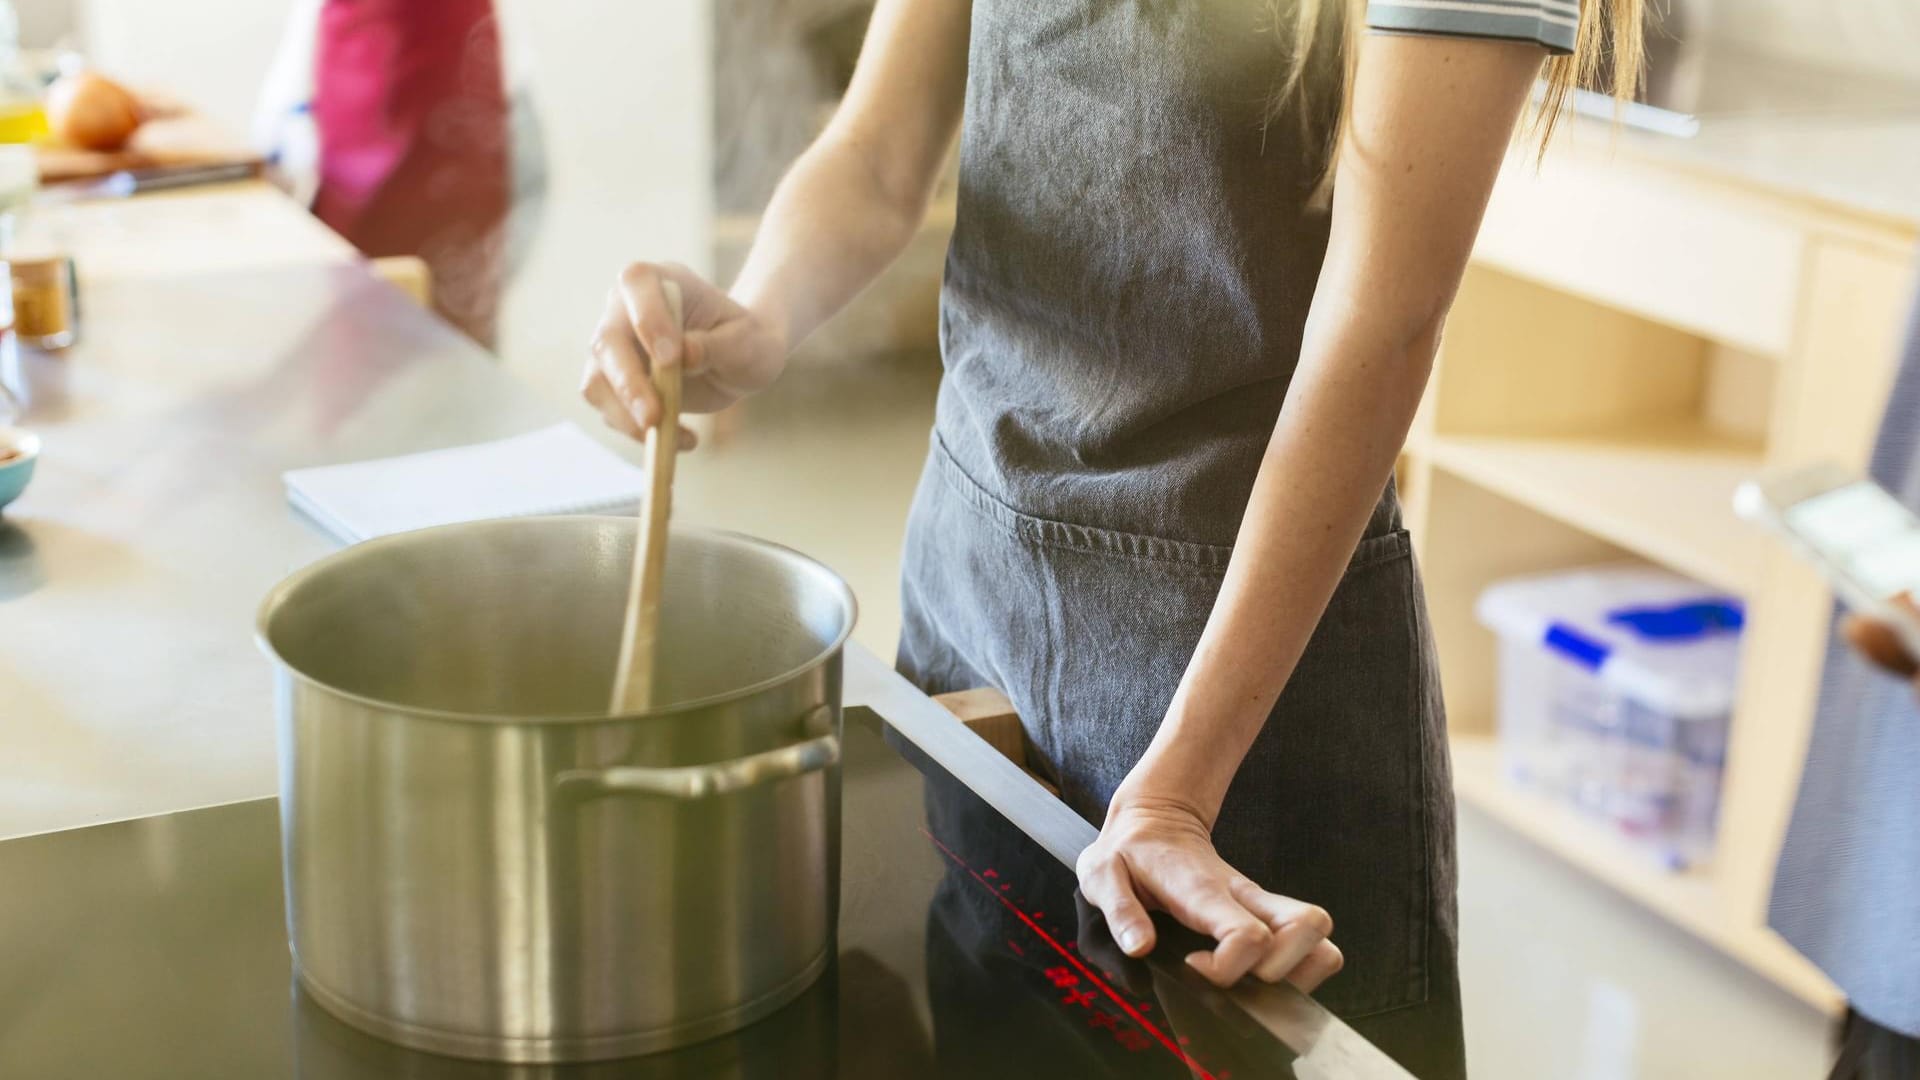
{"points": [[1843, 892], [1158, 511], [408, 104]]}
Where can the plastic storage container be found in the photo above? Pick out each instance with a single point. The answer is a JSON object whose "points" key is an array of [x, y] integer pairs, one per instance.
{"points": [[1616, 688]]}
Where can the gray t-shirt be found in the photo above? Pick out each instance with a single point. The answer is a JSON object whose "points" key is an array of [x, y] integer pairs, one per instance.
{"points": [[1552, 23], [1847, 893]]}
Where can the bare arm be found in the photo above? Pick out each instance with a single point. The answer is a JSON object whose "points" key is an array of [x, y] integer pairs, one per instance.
{"points": [[845, 210], [1432, 118], [852, 202]]}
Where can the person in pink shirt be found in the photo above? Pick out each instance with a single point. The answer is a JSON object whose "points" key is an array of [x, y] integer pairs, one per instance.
{"points": [[409, 111]]}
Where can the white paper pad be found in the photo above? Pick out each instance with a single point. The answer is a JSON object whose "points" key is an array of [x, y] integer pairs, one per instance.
{"points": [[555, 470]]}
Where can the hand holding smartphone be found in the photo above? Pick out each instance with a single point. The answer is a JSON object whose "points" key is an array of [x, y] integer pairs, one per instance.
{"points": [[1864, 540]]}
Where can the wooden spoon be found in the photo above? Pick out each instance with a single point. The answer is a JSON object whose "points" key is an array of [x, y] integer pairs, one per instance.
{"points": [[633, 679]]}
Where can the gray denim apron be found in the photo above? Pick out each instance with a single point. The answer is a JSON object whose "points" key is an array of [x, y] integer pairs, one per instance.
{"points": [[1128, 281]]}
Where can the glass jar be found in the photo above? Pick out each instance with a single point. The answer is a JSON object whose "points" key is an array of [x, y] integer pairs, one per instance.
{"points": [[22, 116], [45, 299]]}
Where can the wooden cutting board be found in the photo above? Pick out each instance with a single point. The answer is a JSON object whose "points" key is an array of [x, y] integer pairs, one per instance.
{"points": [[183, 141]]}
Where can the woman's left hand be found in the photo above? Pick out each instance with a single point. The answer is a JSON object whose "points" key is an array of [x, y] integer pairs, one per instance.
{"points": [[1158, 853]]}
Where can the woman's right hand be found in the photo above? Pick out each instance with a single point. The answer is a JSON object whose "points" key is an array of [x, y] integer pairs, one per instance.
{"points": [[726, 351]]}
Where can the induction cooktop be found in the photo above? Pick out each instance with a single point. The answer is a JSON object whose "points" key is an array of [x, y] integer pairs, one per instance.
{"points": [[157, 948]]}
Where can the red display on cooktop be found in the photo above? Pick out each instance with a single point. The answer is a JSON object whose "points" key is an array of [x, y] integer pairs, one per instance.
{"points": [[1083, 990]]}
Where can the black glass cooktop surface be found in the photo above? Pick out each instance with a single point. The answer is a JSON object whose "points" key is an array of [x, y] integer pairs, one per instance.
{"points": [[157, 948]]}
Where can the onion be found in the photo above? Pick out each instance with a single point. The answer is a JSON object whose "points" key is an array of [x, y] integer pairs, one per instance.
{"points": [[92, 111]]}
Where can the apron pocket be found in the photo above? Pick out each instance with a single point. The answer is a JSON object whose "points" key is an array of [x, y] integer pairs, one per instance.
{"points": [[1067, 536], [1141, 547]]}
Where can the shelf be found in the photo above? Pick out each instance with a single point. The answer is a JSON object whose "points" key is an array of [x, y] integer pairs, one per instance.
{"points": [[1636, 242], [1689, 900], [1666, 495]]}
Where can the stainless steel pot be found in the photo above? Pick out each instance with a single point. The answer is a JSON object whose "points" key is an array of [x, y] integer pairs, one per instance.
{"points": [[479, 861]]}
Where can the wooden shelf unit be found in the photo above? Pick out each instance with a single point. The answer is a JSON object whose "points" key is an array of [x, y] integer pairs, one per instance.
{"points": [[1663, 498], [1693, 900], [1629, 344]]}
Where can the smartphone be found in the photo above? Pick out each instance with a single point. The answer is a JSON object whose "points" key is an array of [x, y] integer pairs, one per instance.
{"points": [[1865, 540]]}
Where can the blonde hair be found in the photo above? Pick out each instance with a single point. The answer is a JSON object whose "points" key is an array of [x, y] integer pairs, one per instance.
{"points": [[1611, 41], [1320, 36]]}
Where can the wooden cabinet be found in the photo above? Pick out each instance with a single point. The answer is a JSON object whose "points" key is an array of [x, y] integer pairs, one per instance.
{"points": [[1632, 340]]}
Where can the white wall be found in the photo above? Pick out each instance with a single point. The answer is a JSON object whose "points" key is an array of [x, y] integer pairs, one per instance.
{"points": [[624, 96], [625, 99], [213, 53], [1880, 36], [45, 22]]}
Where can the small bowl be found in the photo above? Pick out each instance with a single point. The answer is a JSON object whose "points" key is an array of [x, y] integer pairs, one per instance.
{"points": [[15, 472]]}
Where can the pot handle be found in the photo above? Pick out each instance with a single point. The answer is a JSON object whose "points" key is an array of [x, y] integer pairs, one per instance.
{"points": [[688, 782]]}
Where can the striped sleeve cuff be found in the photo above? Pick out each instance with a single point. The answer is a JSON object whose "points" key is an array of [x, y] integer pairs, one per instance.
{"points": [[1551, 23]]}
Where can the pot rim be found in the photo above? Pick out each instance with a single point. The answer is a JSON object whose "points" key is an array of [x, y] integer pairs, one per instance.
{"points": [[278, 594]]}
